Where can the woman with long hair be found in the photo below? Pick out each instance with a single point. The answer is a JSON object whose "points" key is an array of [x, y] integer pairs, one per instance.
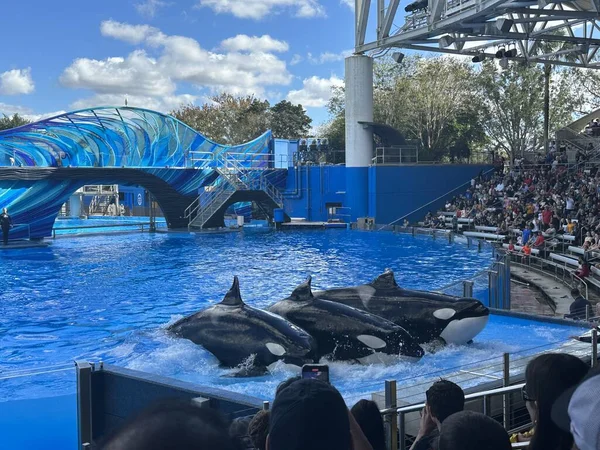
{"points": [[546, 377]]}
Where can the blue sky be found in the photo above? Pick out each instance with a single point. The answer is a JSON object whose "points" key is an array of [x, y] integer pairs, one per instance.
{"points": [[65, 55]]}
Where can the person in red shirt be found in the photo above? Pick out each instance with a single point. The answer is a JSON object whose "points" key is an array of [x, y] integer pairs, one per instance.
{"points": [[584, 269], [547, 216], [511, 246], [539, 240]]}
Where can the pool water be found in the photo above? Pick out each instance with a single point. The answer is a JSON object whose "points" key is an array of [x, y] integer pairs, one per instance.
{"points": [[110, 297]]}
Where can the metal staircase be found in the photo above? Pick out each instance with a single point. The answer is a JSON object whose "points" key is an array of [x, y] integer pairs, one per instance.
{"points": [[233, 177]]}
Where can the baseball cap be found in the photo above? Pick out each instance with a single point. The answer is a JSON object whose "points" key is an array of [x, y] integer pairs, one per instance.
{"points": [[577, 411], [309, 414]]}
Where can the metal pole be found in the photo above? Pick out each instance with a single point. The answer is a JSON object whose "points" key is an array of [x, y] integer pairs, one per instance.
{"points": [[391, 420], [594, 348], [84, 403], [266, 406], [506, 397], [467, 288]]}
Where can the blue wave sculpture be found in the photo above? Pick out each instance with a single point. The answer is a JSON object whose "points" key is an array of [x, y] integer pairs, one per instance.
{"points": [[43, 163]]}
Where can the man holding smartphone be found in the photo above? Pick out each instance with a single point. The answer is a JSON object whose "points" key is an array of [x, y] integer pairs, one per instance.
{"points": [[444, 398]]}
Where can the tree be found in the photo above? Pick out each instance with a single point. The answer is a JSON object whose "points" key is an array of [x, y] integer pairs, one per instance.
{"points": [[514, 103], [8, 122], [335, 129], [427, 100], [227, 119], [289, 121]]}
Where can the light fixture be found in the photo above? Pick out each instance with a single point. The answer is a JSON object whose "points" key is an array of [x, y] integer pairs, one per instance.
{"points": [[398, 57], [446, 41], [510, 53], [480, 57], [500, 52]]}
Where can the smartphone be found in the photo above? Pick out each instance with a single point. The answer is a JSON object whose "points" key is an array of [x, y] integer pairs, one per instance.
{"points": [[316, 371]]}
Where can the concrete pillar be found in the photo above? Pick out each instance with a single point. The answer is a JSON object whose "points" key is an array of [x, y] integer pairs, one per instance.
{"points": [[75, 206], [359, 139]]}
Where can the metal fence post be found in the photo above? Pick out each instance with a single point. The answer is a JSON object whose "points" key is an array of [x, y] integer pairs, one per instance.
{"points": [[391, 420], [84, 403], [266, 406], [594, 348], [506, 397], [479, 245], [468, 288]]}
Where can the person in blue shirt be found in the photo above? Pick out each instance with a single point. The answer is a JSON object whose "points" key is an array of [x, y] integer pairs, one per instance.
{"points": [[526, 234]]}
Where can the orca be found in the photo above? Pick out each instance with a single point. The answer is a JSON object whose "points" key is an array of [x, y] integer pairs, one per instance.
{"points": [[234, 332], [427, 316], [345, 333]]}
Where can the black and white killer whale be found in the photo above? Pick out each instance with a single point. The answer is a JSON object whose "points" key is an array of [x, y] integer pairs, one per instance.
{"points": [[426, 316], [345, 333], [233, 331]]}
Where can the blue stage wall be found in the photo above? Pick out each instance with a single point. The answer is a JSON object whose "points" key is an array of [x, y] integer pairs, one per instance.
{"points": [[392, 191], [310, 188]]}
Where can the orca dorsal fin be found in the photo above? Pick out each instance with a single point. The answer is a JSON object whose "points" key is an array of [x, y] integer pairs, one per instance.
{"points": [[233, 296], [385, 281], [303, 292]]}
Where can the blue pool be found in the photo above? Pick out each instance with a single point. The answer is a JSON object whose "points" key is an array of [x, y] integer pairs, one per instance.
{"points": [[110, 298]]}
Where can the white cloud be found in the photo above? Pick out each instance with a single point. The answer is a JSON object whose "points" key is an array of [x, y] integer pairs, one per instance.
{"points": [[315, 91], [247, 65], [134, 34], [149, 8], [164, 104], [137, 74], [38, 117], [9, 110], [16, 81], [296, 59], [265, 43], [257, 9], [349, 3], [328, 57]]}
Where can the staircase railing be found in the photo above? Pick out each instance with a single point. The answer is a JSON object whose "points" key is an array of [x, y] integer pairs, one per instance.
{"points": [[234, 177]]}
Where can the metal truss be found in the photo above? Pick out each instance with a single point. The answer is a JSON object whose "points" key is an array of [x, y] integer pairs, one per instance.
{"points": [[556, 32]]}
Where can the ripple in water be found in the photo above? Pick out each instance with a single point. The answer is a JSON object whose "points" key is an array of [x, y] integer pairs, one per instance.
{"points": [[111, 297]]}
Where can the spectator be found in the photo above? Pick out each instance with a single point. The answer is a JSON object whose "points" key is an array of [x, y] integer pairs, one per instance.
{"points": [[369, 419], [584, 268], [311, 414], [547, 377], [238, 432], [580, 308], [468, 430], [539, 240], [511, 246], [258, 429], [577, 410], [173, 424], [444, 398], [285, 384], [526, 234], [5, 224]]}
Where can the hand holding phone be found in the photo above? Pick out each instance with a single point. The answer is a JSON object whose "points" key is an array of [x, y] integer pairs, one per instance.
{"points": [[316, 371]]}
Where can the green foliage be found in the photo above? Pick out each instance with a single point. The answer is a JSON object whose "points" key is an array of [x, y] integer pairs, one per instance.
{"points": [[289, 121], [8, 122], [232, 120]]}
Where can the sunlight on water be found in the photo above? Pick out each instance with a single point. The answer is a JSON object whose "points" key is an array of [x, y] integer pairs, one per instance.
{"points": [[111, 297]]}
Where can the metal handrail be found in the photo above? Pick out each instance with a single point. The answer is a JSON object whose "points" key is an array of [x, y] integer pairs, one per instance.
{"points": [[475, 396], [432, 201]]}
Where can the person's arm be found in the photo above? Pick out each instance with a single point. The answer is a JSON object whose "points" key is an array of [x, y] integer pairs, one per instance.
{"points": [[359, 440]]}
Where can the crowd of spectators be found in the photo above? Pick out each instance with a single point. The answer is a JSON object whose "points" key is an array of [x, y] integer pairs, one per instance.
{"points": [[533, 205], [560, 395]]}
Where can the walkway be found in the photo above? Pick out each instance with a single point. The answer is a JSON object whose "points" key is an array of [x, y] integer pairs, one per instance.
{"points": [[552, 289]]}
